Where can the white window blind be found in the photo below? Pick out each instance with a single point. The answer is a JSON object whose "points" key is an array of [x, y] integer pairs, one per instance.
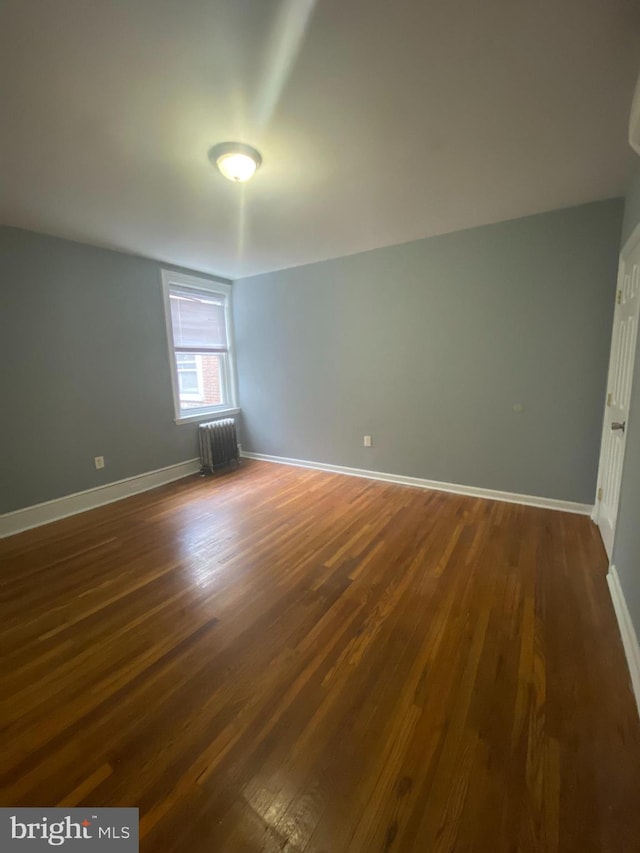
{"points": [[198, 321]]}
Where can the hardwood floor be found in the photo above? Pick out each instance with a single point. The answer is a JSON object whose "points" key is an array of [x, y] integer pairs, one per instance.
{"points": [[280, 659]]}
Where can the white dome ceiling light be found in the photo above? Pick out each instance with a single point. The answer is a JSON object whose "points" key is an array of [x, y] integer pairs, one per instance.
{"points": [[236, 161]]}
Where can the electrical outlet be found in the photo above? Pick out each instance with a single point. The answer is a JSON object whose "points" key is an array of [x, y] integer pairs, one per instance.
{"points": [[99, 460], [367, 440]]}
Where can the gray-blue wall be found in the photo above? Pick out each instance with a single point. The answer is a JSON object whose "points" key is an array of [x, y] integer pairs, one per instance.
{"points": [[626, 550], [631, 202], [85, 369], [428, 346]]}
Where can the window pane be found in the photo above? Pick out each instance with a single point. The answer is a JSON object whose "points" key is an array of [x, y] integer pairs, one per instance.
{"points": [[207, 374], [188, 380], [197, 321], [186, 360]]}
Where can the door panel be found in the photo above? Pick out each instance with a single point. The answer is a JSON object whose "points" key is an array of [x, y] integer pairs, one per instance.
{"points": [[616, 414]]}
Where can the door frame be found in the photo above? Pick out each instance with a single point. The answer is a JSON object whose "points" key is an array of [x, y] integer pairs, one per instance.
{"points": [[630, 244]]}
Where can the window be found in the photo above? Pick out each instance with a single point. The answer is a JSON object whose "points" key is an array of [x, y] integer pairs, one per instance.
{"points": [[198, 315]]}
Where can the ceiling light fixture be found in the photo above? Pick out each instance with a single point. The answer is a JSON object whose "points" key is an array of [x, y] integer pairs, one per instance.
{"points": [[236, 161]]}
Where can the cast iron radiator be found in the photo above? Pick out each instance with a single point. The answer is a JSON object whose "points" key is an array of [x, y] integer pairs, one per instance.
{"points": [[218, 444]]}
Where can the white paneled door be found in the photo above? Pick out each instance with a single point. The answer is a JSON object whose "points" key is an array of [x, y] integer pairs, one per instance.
{"points": [[616, 412]]}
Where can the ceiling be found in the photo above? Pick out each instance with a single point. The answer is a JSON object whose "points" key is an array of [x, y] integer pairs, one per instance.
{"points": [[378, 122]]}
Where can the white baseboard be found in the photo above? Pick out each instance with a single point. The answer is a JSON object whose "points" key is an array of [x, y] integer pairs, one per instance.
{"points": [[627, 631], [471, 491], [43, 513]]}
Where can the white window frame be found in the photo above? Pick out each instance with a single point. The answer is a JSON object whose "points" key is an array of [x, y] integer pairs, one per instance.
{"points": [[228, 375]]}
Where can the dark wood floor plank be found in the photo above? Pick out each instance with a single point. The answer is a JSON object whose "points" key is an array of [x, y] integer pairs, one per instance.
{"points": [[277, 659]]}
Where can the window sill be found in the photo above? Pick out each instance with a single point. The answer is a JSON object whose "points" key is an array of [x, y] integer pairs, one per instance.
{"points": [[207, 416]]}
